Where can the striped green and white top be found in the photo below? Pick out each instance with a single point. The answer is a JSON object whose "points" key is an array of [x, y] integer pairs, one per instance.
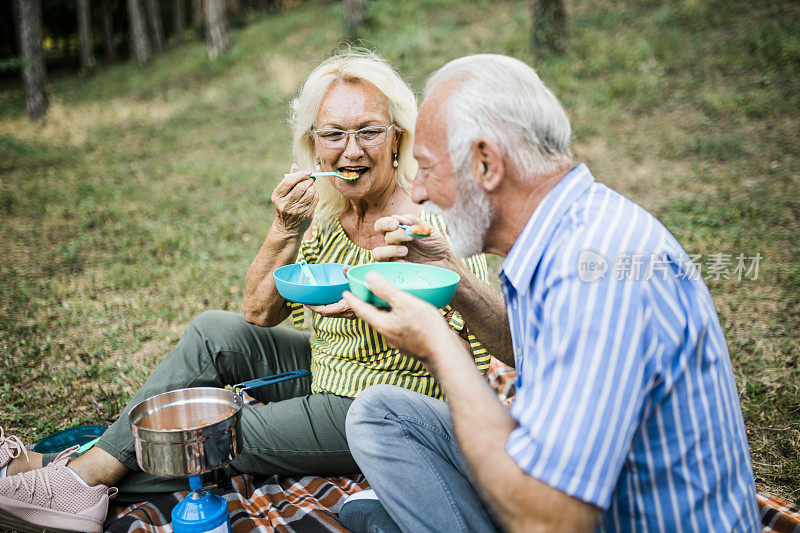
{"points": [[348, 355]]}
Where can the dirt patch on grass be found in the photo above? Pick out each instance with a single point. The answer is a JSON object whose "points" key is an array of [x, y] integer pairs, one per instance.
{"points": [[70, 125], [285, 74]]}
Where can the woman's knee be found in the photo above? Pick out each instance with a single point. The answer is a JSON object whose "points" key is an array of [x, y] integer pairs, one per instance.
{"points": [[217, 321], [219, 325], [210, 332]]}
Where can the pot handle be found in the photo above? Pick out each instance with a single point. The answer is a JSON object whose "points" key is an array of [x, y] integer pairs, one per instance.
{"points": [[269, 380]]}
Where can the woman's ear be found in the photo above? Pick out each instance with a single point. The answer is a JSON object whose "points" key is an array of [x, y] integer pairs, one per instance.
{"points": [[488, 165], [396, 141]]}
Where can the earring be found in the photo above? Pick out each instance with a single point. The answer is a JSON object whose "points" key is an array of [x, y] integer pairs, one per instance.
{"points": [[395, 163], [318, 166]]}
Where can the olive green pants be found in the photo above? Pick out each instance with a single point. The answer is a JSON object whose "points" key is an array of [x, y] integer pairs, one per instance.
{"points": [[294, 432]]}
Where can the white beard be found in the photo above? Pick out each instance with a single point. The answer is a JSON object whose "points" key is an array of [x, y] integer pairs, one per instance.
{"points": [[469, 218]]}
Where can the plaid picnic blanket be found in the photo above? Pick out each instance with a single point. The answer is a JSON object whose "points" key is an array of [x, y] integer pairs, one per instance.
{"points": [[311, 504], [777, 514], [272, 503]]}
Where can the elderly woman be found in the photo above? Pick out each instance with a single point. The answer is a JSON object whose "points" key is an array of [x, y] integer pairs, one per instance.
{"points": [[354, 113]]}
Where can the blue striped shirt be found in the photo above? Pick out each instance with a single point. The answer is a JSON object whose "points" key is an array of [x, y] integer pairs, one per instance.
{"points": [[625, 393]]}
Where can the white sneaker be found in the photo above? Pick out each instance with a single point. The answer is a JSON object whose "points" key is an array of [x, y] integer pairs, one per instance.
{"points": [[10, 448], [52, 497]]}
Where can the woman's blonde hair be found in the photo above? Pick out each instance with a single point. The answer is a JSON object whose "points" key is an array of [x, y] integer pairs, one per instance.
{"points": [[353, 65]]}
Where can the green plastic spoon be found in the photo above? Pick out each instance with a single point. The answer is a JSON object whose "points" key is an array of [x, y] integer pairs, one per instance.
{"points": [[337, 174], [83, 449]]}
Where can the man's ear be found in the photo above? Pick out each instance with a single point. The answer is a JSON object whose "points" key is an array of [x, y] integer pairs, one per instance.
{"points": [[488, 165]]}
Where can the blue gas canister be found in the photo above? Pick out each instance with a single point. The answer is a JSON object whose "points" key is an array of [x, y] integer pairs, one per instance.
{"points": [[201, 512]]}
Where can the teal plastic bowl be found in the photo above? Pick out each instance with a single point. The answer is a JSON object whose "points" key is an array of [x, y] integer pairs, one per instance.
{"points": [[66, 438], [433, 284], [293, 285]]}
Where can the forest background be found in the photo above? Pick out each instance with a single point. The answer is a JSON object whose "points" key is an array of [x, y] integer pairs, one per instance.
{"points": [[141, 197]]}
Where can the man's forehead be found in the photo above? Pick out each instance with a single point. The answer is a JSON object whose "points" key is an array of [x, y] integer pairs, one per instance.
{"points": [[431, 117], [437, 99], [429, 128]]}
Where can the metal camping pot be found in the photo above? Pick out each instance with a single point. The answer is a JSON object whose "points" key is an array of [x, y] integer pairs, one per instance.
{"points": [[188, 432]]}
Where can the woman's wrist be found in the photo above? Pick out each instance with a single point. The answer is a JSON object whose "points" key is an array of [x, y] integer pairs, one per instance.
{"points": [[282, 231]]}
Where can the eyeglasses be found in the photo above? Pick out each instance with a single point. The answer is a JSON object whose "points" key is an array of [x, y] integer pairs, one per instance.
{"points": [[369, 136]]}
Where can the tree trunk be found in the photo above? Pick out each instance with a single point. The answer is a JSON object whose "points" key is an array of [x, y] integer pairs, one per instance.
{"points": [[85, 50], [108, 32], [154, 24], [139, 42], [216, 28], [34, 76], [549, 21], [197, 17], [231, 8], [178, 20], [353, 17]]}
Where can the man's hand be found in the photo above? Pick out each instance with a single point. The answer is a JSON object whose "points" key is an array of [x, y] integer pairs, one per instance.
{"points": [[413, 326], [480, 306], [400, 246]]}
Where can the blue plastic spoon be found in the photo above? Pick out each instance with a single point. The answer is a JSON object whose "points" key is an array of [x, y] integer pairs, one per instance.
{"points": [[307, 272]]}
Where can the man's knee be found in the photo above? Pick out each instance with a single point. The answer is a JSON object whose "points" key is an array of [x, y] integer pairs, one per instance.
{"points": [[377, 408], [375, 402], [369, 425], [369, 409]]}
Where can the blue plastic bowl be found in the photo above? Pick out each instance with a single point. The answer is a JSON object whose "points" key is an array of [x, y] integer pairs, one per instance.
{"points": [[66, 438], [293, 285], [433, 284]]}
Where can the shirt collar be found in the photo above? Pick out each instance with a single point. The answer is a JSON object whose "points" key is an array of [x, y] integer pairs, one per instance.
{"points": [[524, 256]]}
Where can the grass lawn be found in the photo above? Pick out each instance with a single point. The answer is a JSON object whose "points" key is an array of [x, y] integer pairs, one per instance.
{"points": [[142, 198]]}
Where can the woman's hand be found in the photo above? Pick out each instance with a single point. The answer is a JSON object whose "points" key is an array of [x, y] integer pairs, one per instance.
{"points": [[400, 246], [339, 309], [295, 199]]}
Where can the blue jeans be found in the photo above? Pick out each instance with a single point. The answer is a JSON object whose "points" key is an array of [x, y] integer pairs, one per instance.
{"points": [[404, 444]]}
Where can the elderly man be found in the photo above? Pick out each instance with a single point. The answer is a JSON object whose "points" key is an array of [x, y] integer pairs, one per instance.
{"points": [[626, 415]]}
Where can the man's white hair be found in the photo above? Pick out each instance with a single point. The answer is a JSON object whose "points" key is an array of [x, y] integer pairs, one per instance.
{"points": [[503, 99], [361, 66]]}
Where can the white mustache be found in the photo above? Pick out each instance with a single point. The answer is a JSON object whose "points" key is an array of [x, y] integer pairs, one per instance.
{"points": [[432, 208]]}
